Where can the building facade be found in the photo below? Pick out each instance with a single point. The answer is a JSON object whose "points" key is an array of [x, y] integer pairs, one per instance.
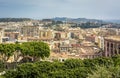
{"points": [[112, 46]]}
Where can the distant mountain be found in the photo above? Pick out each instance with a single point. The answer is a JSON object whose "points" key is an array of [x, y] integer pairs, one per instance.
{"points": [[75, 20], [113, 21]]}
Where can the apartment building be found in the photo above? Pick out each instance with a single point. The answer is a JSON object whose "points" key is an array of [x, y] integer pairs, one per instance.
{"points": [[111, 46], [1, 34], [29, 32]]}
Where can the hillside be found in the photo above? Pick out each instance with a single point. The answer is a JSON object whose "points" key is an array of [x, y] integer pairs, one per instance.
{"points": [[76, 20], [14, 19]]}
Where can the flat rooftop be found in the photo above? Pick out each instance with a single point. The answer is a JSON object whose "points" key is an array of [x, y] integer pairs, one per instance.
{"points": [[114, 38]]}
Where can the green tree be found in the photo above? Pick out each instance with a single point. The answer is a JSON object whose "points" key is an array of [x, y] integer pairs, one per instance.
{"points": [[71, 68], [116, 60], [36, 50], [101, 72], [6, 51], [73, 63], [115, 71], [103, 61]]}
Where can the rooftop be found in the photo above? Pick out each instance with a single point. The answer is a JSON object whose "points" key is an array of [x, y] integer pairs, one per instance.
{"points": [[114, 38]]}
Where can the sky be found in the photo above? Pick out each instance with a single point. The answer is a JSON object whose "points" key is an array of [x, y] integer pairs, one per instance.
{"points": [[39, 9]]}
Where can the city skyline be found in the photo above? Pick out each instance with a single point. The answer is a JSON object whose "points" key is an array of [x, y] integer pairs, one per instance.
{"points": [[39, 9]]}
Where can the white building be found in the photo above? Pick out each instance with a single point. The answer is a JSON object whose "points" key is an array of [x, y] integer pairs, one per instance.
{"points": [[1, 34]]}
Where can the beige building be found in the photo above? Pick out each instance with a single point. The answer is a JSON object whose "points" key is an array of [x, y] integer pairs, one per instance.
{"points": [[61, 35], [29, 32], [45, 34], [100, 41], [111, 46], [1, 34]]}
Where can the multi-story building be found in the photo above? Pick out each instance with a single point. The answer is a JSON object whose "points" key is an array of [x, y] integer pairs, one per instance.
{"points": [[62, 35], [111, 46], [11, 34], [46, 34], [29, 32], [1, 34], [100, 41]]}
